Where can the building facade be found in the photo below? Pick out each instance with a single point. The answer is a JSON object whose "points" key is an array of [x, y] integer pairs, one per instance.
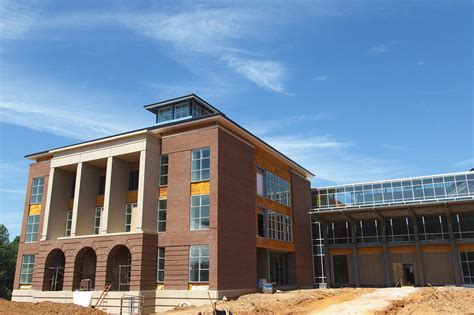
{"points": [[411, 231], [192, 204]]}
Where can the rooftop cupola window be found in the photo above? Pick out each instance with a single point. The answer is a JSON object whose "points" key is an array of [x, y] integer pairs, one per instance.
{"points": [[182, 108]]}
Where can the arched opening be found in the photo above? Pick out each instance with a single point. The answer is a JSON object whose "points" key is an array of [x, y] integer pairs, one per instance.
{"points": [[54, 271], [84, 269], [119, 264]]}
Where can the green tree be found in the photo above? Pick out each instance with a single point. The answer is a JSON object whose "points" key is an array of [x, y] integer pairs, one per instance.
{"points": [[8, 252]]}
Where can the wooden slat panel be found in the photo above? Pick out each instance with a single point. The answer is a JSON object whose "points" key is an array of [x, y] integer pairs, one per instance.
{"points": [[163, 194], [462, 247], [340, 251], [202, 188], [370, 250], [35, 209], [99, 200], [402, 249], [132, 196], [273, 244], [435, 248]]}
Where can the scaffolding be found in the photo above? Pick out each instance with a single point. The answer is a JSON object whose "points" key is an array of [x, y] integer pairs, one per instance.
{"points": [[131, 304], [124, 277], [57, 277]]}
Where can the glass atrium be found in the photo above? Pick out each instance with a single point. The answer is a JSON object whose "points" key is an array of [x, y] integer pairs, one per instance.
{"points": [[456, 186]]}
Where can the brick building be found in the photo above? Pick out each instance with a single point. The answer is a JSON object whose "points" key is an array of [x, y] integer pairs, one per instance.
{"points": [[193, 203]]}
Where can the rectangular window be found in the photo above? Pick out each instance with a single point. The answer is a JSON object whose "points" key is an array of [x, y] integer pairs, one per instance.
{"points": [[279, 226], [199, 263], [164, 170], [199, 212], [160, 274], [270, 184], [200, 164], [98, 213], [278, 189], [181, 111], [37, 190], [162, 206], [165, 114], [101, 185], [260, 182], [261, 223], [27, 266], [129, 216], [68, 222], [286, 194], [133, 180], [467, 266], [32, 228]]}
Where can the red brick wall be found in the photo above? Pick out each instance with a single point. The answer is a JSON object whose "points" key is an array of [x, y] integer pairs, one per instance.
{"points": [[178, 237], [301, 198], [237, 255], [36, 170]]}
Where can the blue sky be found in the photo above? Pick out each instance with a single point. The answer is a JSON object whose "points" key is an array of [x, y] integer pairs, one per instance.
{"points": [[352, 90]]}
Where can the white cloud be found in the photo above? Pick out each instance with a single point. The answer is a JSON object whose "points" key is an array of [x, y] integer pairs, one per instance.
{"points": [[16, 19], [378, 49], [271, 126], [267, 74], [12, 191], [75, 124], [321, 78], [466, 163]]}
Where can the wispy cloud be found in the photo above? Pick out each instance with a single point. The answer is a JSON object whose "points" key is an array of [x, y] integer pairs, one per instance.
{"points": [[466, 163], [326, 78], [17, 17], [12, 191], [267, 126], [378, 49], [57, 121], [267, 74], [436, 92]]}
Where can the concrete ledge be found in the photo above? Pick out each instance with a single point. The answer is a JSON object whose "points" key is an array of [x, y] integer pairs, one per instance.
{"points": [[154, 300]]}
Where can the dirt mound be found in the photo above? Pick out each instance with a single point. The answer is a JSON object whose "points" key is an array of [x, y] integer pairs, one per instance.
{"points": [[441, 300], [22, 308], [290, 302]]}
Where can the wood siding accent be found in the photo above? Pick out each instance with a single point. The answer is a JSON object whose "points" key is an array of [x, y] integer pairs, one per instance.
{"points": [[99, 201], [132, 196], [340, 251], [435, 248], [201, 188], [71, 203], [266, 203], [370, 250], [163, 193], [402, 249], [35, 209], [272, 164], [274, 244], [465, 247]]}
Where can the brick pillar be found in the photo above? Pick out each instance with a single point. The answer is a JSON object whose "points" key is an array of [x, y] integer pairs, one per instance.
{"points": [[68, 271]]}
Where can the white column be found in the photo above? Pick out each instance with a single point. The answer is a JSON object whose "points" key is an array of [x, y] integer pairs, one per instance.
{"points": [[75, 207], [44, 232], [148, 183], [104, 220]]}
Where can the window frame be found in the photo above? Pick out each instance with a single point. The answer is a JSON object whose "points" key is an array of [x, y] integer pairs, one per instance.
{"points": [[201, 171], [161, 210], [164, 162], [37, 187], [27, 269], [133, 180], [31, 233], [129, 206], [200, 258], [67, 232], [97, 219], [160, 270], [200, 218]]}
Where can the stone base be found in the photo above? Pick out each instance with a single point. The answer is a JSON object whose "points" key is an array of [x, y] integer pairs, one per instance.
{"points": [[155, 301]]}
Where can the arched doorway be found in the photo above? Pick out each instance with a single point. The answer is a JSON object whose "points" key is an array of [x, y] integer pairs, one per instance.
{"points": [[84, 269], [54, 271], [119, 264]]}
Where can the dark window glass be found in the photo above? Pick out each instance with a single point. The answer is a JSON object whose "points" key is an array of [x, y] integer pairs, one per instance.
{"points": [[261, 223], [133, 180], [101, 185]]}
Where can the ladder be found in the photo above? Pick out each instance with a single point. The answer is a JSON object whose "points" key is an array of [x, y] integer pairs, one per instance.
{"points": [[102, 296]]}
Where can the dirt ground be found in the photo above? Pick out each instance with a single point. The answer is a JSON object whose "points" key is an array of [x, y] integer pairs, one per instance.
{"points": [[42, 308], [385, 301], [437, 300], [407, 300]]}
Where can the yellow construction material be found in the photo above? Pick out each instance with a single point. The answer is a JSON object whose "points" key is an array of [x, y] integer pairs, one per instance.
{"points": [[35, 209], [202, 188]]}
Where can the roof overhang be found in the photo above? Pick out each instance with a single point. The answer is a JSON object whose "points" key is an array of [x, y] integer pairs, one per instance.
{"points": [[191, 97]]}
